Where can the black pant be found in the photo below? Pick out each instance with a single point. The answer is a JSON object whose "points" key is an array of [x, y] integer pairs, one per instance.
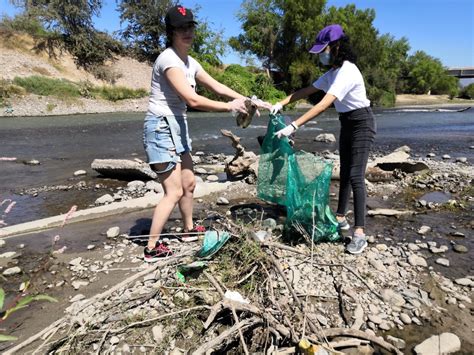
{"points": [[357, 135]]}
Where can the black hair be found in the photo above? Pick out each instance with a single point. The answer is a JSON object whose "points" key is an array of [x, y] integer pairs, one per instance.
{"points": [[169, 35], [341, 50]]}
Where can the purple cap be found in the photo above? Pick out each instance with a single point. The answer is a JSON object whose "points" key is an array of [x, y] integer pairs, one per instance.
{"points": [[327, 35]]}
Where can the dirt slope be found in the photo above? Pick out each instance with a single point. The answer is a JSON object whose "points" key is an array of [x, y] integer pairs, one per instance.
{"points": [[19, 57]]}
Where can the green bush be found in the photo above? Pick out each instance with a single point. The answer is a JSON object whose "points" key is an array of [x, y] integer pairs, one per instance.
{"points": [[24, 24], [43, 86], [245, 80], [380, 97], [467, 92]]}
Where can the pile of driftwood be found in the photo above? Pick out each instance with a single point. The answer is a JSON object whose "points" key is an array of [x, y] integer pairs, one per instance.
{"points": [[157, 312]]}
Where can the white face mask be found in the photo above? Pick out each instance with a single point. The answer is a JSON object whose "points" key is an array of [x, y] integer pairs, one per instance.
{"points": [[325, 58]]}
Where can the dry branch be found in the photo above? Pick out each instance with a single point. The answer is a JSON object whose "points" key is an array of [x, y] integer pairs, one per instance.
{"points": [[220, 341], [336, 332]]}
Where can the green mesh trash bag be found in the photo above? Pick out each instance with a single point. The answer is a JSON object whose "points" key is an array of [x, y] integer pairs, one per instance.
{"points": [[299, 181]]}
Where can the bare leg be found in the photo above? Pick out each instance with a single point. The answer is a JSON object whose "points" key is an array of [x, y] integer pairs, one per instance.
{"points": [[188, 182], [173, 191]]}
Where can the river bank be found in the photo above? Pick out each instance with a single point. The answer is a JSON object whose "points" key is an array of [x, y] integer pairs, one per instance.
{"points": [[413, 282], [34, 105], [413, 254]]}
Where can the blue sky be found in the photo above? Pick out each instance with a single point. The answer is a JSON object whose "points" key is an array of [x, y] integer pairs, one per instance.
{"points": [[442, 28]]}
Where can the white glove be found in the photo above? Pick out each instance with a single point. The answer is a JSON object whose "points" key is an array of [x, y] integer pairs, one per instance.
{"points": [[287, 131], [238, 106], [276, 108]]}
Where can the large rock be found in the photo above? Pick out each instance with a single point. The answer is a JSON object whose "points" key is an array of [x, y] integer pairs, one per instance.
{"points": [[399, 160], [123, 169], [446, 343]]}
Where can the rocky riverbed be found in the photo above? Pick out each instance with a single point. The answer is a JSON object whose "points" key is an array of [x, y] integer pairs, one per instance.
{"points": [[411, 290]]}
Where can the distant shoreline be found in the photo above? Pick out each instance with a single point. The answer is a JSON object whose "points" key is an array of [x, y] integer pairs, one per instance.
{"points": [[38, 106]]}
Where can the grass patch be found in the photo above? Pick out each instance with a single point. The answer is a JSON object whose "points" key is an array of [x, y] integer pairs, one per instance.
{"points": [[66, 90], [43, 86], [237, 259], [116, 93]]}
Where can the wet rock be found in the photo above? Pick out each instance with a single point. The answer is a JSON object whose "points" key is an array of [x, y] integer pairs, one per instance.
{"points": [[78, 284], [212, 178], [458, 248], [442, 261], [2, 243], [325, 137], [392, 298], [76, 261], [396, 342], [12, 271], [135, 185], [416, 260], [80, 172], [464, 282], [446, 156], [405, 318], [200, 170], [423, 230], [31, 162], [461, 160], [107, 198], [375, 318], [8, 254], [123, 169], [113, 232], [403, 148], [222, 201], [445, 343]]}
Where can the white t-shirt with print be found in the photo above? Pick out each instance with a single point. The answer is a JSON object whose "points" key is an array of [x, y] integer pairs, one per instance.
{"points": [[347, 84], [164, 100]]}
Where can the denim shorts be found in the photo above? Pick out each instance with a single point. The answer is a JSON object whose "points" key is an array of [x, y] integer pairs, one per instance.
{"points": [[165, 139]]}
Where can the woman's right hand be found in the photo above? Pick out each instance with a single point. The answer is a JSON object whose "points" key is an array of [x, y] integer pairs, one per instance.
{"points": [[238, 106], [276, 108]]}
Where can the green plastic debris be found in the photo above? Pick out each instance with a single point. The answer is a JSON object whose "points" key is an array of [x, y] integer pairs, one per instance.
{"points": [[299, 181], [187, 269], [213, 241]]}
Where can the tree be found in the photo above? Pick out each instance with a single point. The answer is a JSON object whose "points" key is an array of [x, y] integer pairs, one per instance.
{"points": [[426, 74], [73, 20], [208, 46], [279, 33], [145, 31]]}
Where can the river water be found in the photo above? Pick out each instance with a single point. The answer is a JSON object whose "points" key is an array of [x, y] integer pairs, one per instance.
{"points": [[64, 144]]}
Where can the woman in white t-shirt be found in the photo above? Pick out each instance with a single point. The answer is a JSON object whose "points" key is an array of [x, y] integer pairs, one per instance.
{"points": [[165, 136], [344, 87]]}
